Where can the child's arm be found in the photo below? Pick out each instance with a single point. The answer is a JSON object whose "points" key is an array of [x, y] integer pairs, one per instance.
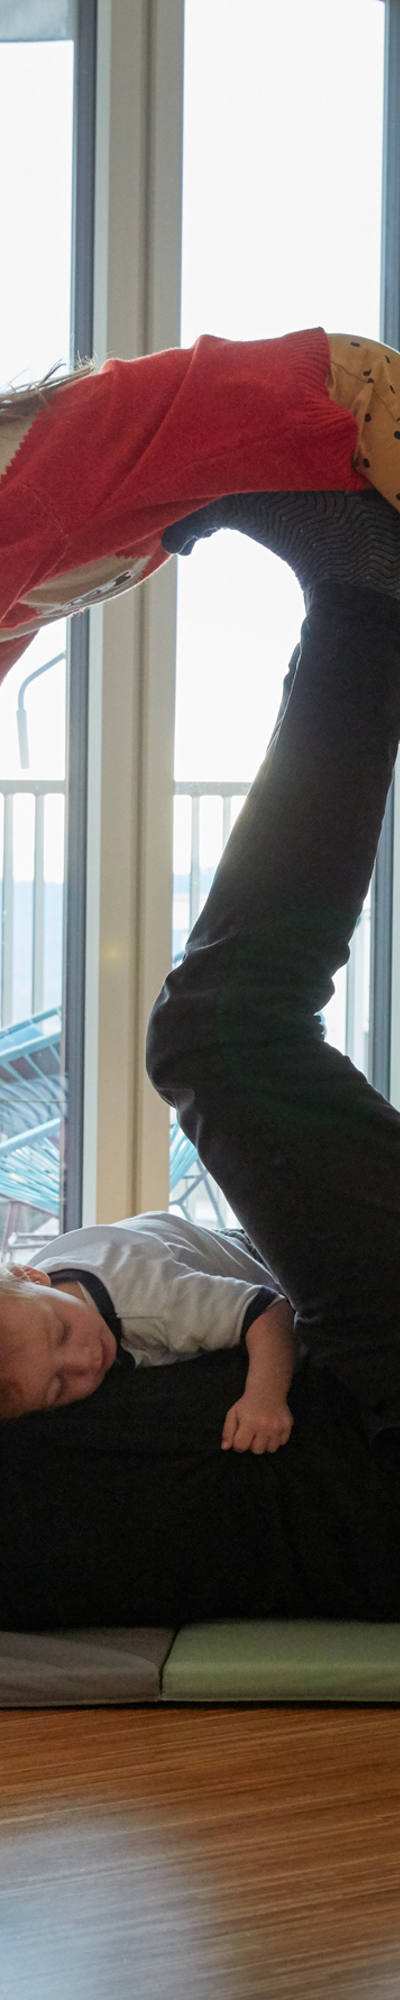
{"points": [[261, 1420]]}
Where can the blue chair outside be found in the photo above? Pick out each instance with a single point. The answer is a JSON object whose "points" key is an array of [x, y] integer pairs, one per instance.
{"points": [[186, 1173], [32, 1110]]}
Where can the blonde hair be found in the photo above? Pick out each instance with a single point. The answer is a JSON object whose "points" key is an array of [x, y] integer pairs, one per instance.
{"points": [[25, 402], [10, 1284], [10, 1280]]}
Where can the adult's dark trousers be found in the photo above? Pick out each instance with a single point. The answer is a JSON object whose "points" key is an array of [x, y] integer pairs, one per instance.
{"points": [[306, 1152]]}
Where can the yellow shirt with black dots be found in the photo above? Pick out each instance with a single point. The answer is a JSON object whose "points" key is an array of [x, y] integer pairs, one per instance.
{"points": [[364, 376]]}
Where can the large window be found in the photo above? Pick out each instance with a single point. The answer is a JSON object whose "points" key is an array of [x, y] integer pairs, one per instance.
{"points": [[281, 118]]}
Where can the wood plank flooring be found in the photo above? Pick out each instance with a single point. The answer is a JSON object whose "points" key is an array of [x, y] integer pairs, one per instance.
{"points": [[187, 1853]]}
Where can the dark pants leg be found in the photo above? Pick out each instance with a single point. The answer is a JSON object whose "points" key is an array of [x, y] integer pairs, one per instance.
{"points": [[306, 1152]]}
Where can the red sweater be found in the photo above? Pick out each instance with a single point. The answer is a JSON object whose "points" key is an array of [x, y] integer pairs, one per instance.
{"points": [[119, 455]]}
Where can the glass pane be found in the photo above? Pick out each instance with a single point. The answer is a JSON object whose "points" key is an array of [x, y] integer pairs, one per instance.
{"points": [[36, 139], [274, 238], [37, 20]]}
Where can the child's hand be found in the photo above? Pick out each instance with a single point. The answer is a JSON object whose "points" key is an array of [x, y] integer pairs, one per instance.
{"points": [[250, 1428]]}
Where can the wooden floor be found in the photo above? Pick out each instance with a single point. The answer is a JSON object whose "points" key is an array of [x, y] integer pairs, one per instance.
{"points": [[182, 1854]]}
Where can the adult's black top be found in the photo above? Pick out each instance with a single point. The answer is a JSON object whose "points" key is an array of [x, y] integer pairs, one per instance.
{"points": [[124, 1510]]}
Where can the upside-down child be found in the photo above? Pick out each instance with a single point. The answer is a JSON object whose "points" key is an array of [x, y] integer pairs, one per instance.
{"points": [[162, 1289], [100, 471]]}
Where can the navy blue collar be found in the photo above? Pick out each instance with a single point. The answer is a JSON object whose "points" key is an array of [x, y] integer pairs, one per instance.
{"points": [[98, 1293]]}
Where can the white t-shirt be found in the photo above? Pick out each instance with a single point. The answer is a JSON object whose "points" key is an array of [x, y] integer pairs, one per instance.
{"points": [[176, 1287]]}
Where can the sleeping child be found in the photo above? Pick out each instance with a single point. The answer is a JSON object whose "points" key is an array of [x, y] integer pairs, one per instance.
{"points": [[162, 1288]]}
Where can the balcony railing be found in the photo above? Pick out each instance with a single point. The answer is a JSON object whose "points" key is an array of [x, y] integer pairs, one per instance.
{"points": [[231, 798], [193, 882], [190, 888], [198, 845], [348, 1014], [39, 789]]}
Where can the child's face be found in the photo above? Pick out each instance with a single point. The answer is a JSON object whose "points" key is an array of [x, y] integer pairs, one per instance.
{"points": [[59, 1347]]}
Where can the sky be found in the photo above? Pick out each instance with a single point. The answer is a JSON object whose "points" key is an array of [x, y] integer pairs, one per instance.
{"points": [[283, 107]]}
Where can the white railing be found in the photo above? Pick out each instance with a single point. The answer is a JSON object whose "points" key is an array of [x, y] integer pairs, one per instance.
{"points": [[194, 880], [348, 1014], [231, 795], [198, 847], [39, 789]]}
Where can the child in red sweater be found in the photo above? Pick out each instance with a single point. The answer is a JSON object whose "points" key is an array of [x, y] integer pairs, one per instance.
{"points": [[99, 473]]}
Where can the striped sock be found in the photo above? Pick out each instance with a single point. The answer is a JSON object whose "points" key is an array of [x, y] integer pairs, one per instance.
{"points": [[353, 537]]}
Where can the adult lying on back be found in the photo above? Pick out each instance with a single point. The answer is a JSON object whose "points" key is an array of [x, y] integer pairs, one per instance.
{"points": [[123, 1508]]}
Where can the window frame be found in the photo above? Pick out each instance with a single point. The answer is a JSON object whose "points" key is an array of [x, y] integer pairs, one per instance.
{"points": [[137, 265], [132, 641], [77, 677]]}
